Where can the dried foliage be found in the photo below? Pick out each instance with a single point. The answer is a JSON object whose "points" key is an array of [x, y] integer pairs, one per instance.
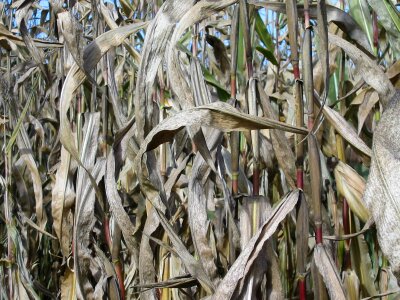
{"points": [[158, 149]]}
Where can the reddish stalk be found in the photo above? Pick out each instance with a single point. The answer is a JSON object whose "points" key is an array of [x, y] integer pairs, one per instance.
{"points": [[291, 9], [302, 289], [375, 29]]}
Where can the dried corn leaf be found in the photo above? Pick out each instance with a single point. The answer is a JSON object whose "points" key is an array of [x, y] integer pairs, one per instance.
{"points": [[368, 69], [351, 284], [7, 35], [191, 264], [327, 268], [199, 192], [243, 263], [198, 12], [115, 202], [157, 36], [382, 191], [346, 130], [365, 108], [63, 197], [283, 151], [92, 54], [334, 15], [351, 186], [218, 115]]}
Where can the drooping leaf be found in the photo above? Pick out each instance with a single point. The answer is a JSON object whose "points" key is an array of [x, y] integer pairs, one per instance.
{"points": [[367, 69], [383, 184], [267, 54], [242, 264], [327, 268], [346, 130], [335, 15]]}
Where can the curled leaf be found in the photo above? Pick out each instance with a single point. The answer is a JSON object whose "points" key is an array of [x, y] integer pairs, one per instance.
{"points": [[351, 185]]}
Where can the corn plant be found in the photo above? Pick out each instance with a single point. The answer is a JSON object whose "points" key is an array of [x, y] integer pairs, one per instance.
{"points": [[210, 149]]}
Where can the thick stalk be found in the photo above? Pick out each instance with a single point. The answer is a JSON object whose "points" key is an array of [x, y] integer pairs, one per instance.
{"points": [[302, 210], [313, 149], [312, 142]]}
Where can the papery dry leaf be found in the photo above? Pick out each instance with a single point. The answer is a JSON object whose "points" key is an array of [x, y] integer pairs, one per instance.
{"points": [[68, 287], [283, 151], [335, 15], [351, 284], [351, 186], [346, 130], [327, 268], [85, 200], [63, 197], [7, 35], [197, 208], [72, 34], [368, 69], [115, 202], [382, 191], [158, 35], [198, 12], [92, 54], [192, 265], [365, 108], [242, 264], [362, 264], [217, 115]]}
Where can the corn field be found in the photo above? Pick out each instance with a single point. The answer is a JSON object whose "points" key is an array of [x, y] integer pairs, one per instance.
{"points": [[210, 149]]}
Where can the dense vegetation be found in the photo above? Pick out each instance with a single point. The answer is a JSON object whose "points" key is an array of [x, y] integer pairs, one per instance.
{"points": [[199, 149]]}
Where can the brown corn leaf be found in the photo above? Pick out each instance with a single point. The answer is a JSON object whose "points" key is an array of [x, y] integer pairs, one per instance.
{"points": [[283, 151], [24, 145], [220, 53], [115, 202], [351, 186], [68, 285], [240, 268], [218, 115], [198, 12], [346, 130], [362, 265], [158, 35], [382, 191], [63, 198], [364, 110], [334, 15], [327, 268], [368, 69], [92, 54], [191, 264], [351, 284], [199, 191], [72, 34]]}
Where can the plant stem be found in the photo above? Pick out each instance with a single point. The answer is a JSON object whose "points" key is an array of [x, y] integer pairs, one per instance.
{"points": [[252, 102], [234, 138]]}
